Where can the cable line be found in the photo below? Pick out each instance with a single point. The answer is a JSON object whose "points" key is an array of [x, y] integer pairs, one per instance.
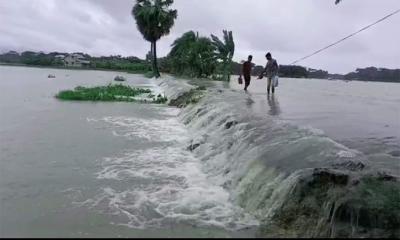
{"points": [[347, 37]]}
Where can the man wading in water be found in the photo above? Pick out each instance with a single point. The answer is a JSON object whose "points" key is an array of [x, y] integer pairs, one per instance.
{"points": [[246, 71], [271, 70]]}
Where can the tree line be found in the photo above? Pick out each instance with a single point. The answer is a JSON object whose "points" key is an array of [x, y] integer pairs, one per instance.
{"points": [[30, 58], [183, 62], [374, 74]]}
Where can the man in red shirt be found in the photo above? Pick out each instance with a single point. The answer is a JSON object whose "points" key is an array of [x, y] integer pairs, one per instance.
{"points": [[246, 72]]}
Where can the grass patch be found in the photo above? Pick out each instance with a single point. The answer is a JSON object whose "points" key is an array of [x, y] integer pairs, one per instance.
{"points": [[191, 97], [149, 74], [160, 99], [380, 196], [110, 93]]}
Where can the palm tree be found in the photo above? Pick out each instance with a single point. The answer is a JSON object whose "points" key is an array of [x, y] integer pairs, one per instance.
{"points": [[181, 52], [225, 51], [193, 55], [205, 58], [154, 19]]}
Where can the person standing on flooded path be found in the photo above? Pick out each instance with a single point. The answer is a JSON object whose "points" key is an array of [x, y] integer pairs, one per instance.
{"points": [[271, 70], [246, 72]]}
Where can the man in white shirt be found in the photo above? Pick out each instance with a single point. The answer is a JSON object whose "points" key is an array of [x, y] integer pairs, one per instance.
{"points": [[271, 70]]}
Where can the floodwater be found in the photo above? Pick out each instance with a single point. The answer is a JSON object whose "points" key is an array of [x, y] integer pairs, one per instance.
{"points": [[361, 115], [83, 169]]}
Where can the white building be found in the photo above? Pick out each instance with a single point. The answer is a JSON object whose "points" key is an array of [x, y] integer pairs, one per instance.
{"points": [[76, 60], [60, 57]]}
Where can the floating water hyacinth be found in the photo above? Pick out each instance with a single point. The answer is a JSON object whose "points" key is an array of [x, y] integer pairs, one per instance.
{"points": [[111, 93]]}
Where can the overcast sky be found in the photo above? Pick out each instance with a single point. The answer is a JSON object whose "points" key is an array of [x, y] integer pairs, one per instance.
{"points": [[290, 29]]}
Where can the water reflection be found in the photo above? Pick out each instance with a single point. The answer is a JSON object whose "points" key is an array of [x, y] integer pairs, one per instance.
{"points": [[273, 103], [249, 101]]}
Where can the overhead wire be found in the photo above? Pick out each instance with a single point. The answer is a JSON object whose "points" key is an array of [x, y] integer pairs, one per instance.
{"points": [[347, 37]]}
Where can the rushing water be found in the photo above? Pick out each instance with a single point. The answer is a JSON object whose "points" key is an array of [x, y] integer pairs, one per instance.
{"points": [[361, 115], [74, 169]]}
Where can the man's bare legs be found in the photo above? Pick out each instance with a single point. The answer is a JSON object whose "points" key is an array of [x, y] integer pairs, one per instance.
{"points": [[269, 86]]}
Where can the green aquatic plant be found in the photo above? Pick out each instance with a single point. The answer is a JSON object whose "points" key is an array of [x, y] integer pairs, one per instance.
{"points": [[109, 93]]}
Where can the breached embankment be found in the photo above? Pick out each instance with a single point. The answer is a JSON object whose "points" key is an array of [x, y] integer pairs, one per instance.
{"points": [[297, 182]]}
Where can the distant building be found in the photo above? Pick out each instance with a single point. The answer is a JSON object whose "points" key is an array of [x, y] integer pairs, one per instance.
{"points": [[60, 57], [75, 60]]}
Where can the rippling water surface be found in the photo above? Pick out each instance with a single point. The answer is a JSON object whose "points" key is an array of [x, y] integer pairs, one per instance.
{"points": [[82, 169]]}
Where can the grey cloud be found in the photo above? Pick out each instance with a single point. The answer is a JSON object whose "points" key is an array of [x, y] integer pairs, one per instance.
{"points": [[289, 28]]}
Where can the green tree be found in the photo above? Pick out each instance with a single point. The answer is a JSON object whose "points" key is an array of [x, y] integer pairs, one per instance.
{"points": [[181, 51], [193, 55], [154, 19], [225, 51], [206, 60]]}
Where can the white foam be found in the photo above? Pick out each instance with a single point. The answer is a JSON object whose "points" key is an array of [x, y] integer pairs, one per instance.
{"points": [[347, 154], [313, 130], [155, 130], [163, 185], [172, 189]]}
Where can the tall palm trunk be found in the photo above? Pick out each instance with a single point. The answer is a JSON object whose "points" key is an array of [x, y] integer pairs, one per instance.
{"points": [[155, 65], [227, 70], [152, 56]]}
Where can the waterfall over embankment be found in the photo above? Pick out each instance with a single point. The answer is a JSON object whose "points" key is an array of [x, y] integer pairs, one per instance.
{"points": [[297, 181]]}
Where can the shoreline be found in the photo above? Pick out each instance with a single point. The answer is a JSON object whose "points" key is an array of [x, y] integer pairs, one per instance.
{"points": [[102, 70], [176, 76], [67, 68]]}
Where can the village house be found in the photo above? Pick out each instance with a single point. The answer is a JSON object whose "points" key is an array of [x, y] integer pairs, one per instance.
{"points": [[76, 60]]}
